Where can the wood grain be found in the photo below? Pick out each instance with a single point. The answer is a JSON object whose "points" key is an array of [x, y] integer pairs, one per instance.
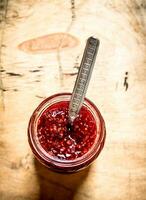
{"points": [[49, 43], [117, 88]]}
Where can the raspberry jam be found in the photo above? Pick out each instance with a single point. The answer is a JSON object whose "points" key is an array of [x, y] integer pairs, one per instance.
{"points": [[59, 139], [57, 144]]}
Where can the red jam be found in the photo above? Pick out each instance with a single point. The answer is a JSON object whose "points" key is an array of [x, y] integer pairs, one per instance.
{"points": [[60, 140]]}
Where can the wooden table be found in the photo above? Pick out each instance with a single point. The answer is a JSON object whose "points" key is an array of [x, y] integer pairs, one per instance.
{"points": [[41, 47]]}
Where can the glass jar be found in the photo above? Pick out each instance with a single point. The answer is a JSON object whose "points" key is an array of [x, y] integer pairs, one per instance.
{"points": [[56, 164]]}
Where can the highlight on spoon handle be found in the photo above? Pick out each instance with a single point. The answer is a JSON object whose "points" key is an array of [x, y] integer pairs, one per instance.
{"points": [[83, 77]]}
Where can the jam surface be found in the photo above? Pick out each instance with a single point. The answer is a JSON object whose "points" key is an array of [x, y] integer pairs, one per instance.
{"points": [[61, 140]]}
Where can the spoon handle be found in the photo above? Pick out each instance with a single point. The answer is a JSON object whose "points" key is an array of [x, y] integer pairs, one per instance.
{"points": [[83, 77]]}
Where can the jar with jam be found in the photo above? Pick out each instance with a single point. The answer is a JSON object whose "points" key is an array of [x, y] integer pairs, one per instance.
{"points": [[59, 146]]}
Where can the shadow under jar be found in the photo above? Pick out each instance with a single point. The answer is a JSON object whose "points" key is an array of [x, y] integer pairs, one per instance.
{"points": [[59, 146]]}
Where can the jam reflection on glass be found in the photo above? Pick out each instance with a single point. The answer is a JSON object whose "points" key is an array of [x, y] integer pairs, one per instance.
{"points": [[61, 140]]}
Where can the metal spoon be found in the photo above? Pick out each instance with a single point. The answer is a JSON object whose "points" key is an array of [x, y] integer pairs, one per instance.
{"points": [[83, 78]]}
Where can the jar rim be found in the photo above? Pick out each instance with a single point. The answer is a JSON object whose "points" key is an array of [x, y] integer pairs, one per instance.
{"points": [[39, 151]]}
